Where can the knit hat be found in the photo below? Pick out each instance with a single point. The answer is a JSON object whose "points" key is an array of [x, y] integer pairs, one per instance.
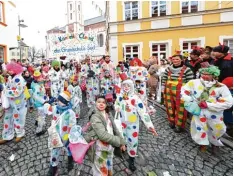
{"points": [[213, 70], [37, 74], [55, 63], [15, 68], [197, 51], [123, 76], [221, 49], [64, 97], [228, 82]]}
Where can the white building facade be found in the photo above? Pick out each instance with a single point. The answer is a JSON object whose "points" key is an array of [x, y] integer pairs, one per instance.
{"points": [[8, 29]]}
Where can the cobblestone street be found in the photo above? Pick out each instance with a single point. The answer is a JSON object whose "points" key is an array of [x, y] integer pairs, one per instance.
{"points": [[175, 153]]}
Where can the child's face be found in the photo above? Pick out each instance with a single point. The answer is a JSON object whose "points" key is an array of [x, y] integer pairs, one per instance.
{"points": [[26, 74], [61, 104], [126, 87], [101, 104]]}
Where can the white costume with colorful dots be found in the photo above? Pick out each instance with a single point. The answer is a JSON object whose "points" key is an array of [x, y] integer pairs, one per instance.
{"points": [[15, 115], [92, 84], [131, 110], [67, 120], [207, 125], [57, 83]]}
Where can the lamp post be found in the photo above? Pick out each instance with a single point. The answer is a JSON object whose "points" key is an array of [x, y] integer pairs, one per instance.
{"points": [[19, 39]]}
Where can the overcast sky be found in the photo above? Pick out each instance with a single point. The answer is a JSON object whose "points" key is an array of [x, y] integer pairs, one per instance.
{"points": [[41, 15]]}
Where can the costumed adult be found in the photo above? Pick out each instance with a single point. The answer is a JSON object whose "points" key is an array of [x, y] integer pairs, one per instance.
{"points": [[206, 99], [15, 113], [107, 65], [172, 80]]}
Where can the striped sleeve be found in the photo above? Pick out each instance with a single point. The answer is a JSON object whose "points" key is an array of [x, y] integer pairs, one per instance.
{"points": [[165, 76], [189, 74]]}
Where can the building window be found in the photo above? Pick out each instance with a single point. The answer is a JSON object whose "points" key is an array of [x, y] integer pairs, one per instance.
{"points": [[1, 52], [158, 8], [131, 10], [2, 20], [18, 54], [100, 40], [70, 16], [78, 7], [160, 49], [189, 6], [132, 51], [188, 46], [229, 42], [70, 6], [13, 54]]}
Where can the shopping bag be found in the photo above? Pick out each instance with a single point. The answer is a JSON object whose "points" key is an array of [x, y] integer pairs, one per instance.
{"points": [[79, 151], [5, 101], [54, 140], [26, 93], [118, 123]]}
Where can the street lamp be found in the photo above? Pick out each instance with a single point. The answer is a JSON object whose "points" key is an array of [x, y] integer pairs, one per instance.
{"points": [[19, 39]]}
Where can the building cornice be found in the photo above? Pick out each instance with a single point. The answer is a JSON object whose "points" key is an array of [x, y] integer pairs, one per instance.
{"points": [[173, 28], [205, 12]]}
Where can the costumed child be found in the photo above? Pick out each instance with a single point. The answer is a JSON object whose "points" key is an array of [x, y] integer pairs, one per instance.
{"points": [[206, 99], [28, 78], [45, 76], [63, 120], [76, 94], [15, 113], [39, 98], [131, 109], [107, 136]]}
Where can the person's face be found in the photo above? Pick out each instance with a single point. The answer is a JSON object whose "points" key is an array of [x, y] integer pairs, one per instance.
{"points": [[101, 104], [75, 82], [193, 57], [126, 87], [63, 68], [56, 67], [207, 77], [10, 72], [176, 61], [40, 79], [107, 58], [26, 74], [205, 56], [61, 104]]}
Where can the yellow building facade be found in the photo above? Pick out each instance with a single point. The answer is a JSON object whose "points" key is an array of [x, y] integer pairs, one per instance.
{"points": [[145, 28]]}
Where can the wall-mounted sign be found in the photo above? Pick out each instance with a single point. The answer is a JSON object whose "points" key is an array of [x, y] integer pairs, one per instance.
{"points": [[72, 44]]}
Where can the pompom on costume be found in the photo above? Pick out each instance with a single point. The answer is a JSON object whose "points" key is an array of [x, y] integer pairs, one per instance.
{"points": [[206, 101]]}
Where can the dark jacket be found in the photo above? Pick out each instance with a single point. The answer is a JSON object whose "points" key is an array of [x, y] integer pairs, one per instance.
{"points": [[194, 66], [225, 65], [28, 81]]}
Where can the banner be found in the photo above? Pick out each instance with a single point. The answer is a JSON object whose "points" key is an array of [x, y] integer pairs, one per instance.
{"points": [[72, 44]]}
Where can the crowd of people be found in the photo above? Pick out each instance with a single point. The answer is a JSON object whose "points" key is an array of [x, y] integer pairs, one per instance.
{"points": [[199, 87]]}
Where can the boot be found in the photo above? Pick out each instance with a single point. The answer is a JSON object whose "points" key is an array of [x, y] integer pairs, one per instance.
{"points": [[171, 125], [203, 148], [2, 141], [132, 167], [18, 139], [70, 163], [40, 133], [53, 171], [215, 150], [178, 129], [36, 123]]}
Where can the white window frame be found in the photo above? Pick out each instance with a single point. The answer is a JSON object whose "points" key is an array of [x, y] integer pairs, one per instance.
{"points": [[139, 9], [201, 6], [200, 40], [225, 37], [168, 8], [1, 12], [140, 44], [168, 47]]}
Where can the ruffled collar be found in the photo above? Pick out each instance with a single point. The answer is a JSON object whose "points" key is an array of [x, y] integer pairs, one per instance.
{"points": [[62, 109]]}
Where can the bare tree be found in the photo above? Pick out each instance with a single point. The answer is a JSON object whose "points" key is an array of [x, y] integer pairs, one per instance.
{"points": [[35, 53]]}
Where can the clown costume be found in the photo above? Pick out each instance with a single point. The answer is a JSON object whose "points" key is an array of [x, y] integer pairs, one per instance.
{"points": [[132, 109], [206, 99], [15, 114], [76, 95], [65, 116], [39, 98]]}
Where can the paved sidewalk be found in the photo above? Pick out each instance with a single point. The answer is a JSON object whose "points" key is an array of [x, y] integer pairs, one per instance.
{"points": [[175, 153]]}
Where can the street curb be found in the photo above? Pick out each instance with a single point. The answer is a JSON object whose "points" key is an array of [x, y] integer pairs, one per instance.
{"points": [[226, 141]]}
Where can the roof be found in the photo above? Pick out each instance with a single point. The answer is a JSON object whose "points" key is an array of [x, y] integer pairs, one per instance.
{"points": [[94, 20], [58, 28]]}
